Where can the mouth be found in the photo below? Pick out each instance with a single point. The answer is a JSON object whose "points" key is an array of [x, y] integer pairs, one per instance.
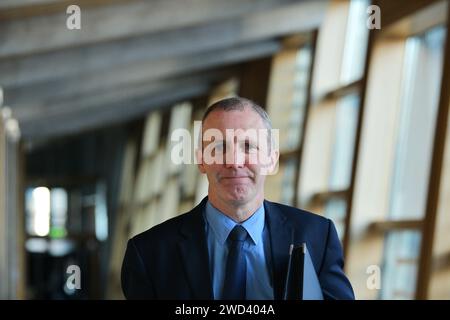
{"points": [[235, 178]]}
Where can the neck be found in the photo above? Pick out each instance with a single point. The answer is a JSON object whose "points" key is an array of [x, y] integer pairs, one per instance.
{"points": [[238, 211]]}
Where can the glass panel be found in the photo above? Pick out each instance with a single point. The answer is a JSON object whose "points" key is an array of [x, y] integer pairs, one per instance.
{"points": [[331, 43], [280, 187], [159, 172], [189, 174], [344, 144], [151, 134], [440, 277], [288, 94], [180, 118], [355, 42], [168, 206], [419, 102], [317, 154], [142, 188], [399, 271], [299, 97], [288, 181]]}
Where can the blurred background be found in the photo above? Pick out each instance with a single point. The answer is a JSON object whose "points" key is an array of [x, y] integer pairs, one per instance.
{"points": [[360, 95]]}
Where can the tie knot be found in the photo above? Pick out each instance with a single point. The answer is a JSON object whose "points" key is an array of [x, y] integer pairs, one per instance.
{"points": [[238, 233]]}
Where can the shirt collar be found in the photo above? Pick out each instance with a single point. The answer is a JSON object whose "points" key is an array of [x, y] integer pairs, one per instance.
{"points": [[222, 225]]}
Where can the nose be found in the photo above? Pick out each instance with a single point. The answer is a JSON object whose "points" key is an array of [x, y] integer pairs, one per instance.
{"points": [[235, 158]]}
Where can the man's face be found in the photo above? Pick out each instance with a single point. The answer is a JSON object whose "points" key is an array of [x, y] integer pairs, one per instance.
{"points": [[236, 155]]}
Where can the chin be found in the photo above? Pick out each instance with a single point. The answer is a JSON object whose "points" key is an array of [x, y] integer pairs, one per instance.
{"points": [[238, 197]]}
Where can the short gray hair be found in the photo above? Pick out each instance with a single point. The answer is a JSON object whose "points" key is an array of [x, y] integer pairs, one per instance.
{"points": [[239, 103]]}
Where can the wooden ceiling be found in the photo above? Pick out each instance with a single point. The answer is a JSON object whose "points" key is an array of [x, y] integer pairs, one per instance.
{"points": [[130, 56]]}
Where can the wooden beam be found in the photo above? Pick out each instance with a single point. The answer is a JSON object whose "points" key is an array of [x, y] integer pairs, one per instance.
{"points": [[441, 262], [395, 225], [11, 191], [312, 39], [4, 268], [352, 87], [434, 184], [320, 198], [9, 4], [19, 9], [107, 23], [360, 86], [48, 93], [257, 26], [88, 101], [392, 11], [80, 117], [88, 120], [418, 22], [107, 96]]}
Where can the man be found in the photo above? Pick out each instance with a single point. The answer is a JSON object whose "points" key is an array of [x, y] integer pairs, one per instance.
{"points": [[234, 244]]}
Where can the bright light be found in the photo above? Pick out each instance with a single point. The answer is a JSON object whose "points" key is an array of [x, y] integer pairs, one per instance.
{"points": [[58, 211], [41, 200], [101, 213]]}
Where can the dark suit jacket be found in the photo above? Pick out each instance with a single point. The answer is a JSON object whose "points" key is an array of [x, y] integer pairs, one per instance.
{"points": [[170, 260]]}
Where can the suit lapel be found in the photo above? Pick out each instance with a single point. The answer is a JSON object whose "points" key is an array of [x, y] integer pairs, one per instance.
{"points": [[194, 253], [194, 250], [280, 240]]}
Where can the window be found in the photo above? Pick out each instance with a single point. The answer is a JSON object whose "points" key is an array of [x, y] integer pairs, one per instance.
{"points": [[392, 223], [421, 85], [401, 255], [325, 182], [356, 38], [344, 143], [414, 148], [287, 105]]}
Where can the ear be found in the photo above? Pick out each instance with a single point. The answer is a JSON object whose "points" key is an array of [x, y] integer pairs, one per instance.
{"points": [[274, 157], [199, 157]]}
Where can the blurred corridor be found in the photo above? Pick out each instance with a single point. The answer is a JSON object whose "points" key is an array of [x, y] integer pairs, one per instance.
{"points": [[91, 94]]}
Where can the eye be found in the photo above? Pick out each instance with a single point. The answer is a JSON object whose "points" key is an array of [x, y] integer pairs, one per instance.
{"points": [[250, 147], [219, 146]]}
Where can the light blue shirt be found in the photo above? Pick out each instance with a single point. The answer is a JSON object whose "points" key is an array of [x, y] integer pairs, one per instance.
{"points": [[256, 247]]}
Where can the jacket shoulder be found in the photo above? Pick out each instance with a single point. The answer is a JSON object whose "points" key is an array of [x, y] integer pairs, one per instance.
{"points": [[299, 215], [165, 230]]}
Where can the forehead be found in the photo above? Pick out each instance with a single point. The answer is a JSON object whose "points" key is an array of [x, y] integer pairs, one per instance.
{"points": [[234, 119]]}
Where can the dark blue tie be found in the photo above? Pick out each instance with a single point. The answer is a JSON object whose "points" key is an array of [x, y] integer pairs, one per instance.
{"points": [[236, 268]]}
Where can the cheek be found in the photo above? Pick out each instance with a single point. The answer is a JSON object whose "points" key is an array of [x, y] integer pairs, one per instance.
{"points": [[255, 170], [212, 170]]}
